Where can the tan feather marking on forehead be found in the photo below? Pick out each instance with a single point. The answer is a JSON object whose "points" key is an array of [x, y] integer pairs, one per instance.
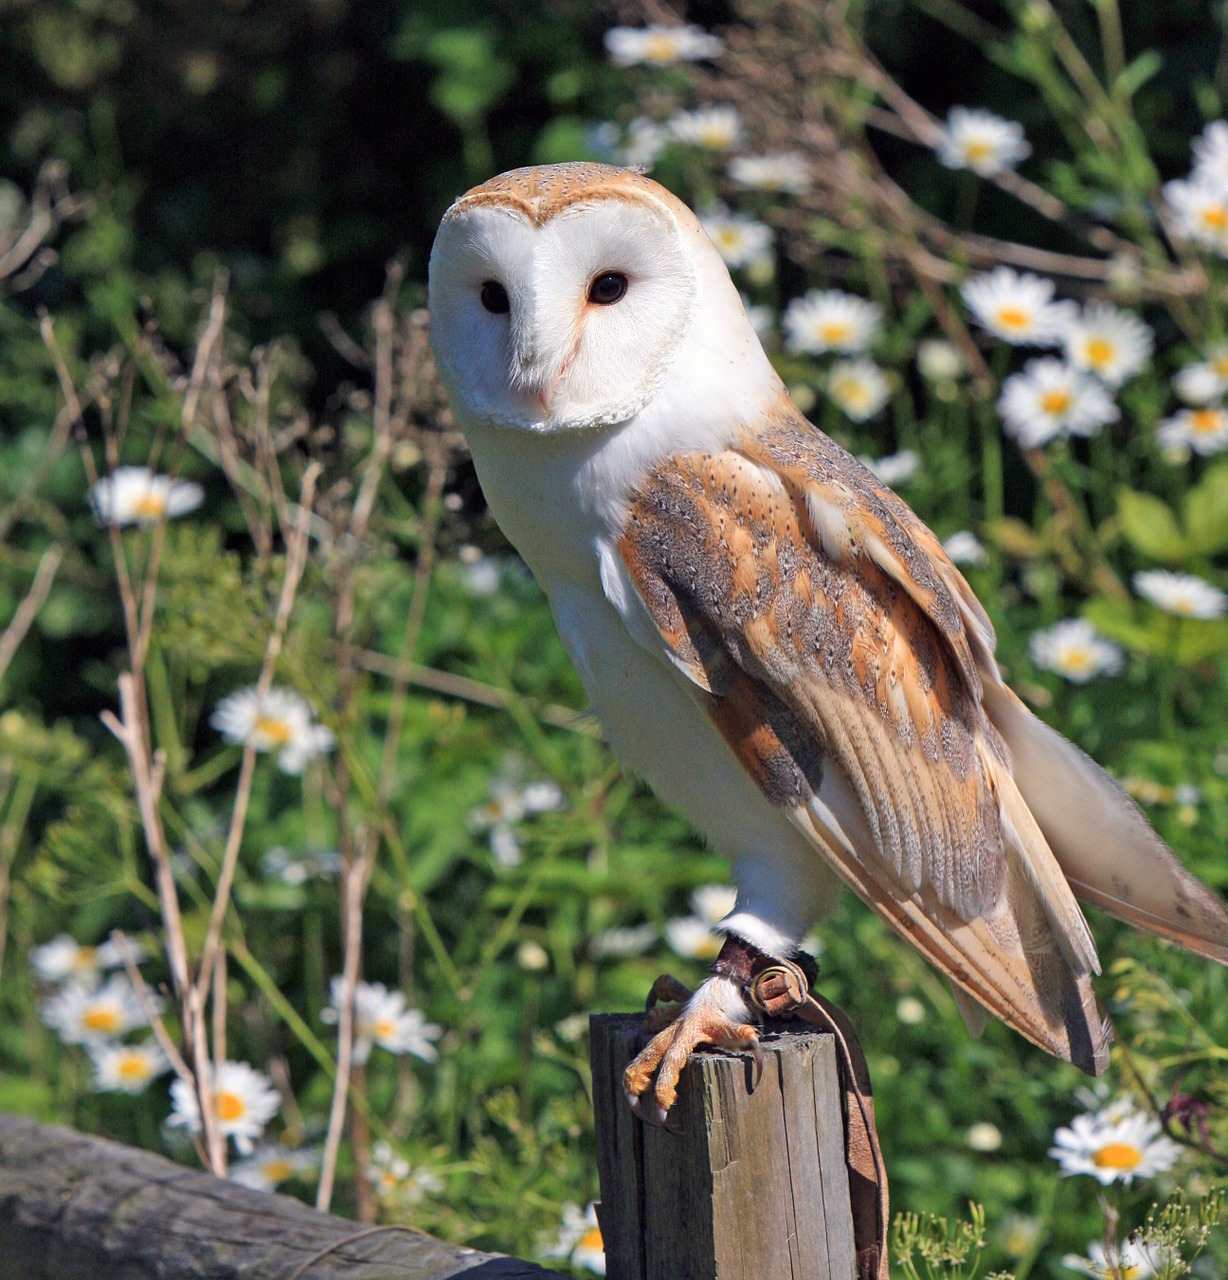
{"points": [[542, 192]]}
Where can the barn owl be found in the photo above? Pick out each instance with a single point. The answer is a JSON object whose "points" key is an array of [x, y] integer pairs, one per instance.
{"points": [[768, 634]]}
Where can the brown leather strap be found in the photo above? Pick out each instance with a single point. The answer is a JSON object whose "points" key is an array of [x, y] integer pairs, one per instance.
{"points": [[781, 990]]}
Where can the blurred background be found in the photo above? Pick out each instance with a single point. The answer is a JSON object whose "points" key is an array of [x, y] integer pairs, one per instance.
{"points": [[214, 229]]}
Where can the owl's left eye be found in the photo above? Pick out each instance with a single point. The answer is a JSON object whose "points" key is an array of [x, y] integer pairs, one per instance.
{"points": [[494, 298], [607, 288]]}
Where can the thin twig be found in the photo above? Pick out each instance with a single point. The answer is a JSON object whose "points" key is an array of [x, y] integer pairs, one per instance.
{"points": [[32, 602], [296, 560]]}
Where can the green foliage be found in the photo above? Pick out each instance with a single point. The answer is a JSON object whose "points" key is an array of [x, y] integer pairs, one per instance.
{"points": [[251, 149]]}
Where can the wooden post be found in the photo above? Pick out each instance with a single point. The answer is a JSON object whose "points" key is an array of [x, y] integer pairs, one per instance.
{"points": [[79, 1208], [753, 1187]]}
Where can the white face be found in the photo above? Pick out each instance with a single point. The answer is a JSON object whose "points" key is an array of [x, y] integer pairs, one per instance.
{"points": [[570, 323]]}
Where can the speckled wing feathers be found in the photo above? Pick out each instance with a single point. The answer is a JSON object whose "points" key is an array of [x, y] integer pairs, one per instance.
{"points": [[856, 671]]}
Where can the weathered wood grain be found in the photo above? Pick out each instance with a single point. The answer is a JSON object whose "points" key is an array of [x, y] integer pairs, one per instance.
{"points": [[79, 1208], [753, 1187]]}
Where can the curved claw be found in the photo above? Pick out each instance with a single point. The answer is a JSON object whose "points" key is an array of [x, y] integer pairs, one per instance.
{"points": [[756, 1057]]}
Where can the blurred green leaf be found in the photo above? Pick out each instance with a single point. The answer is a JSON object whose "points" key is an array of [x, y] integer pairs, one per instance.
{"points": [[1206, 511], [1150, 526]]}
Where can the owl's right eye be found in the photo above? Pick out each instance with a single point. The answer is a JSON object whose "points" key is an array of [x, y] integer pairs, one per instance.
{"points": [[494, 298]]}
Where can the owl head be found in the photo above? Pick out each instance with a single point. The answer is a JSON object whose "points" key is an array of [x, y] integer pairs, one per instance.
{"points": [[563, 297]]}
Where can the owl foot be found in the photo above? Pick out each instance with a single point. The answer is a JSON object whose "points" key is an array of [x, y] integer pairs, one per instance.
{"points": [[715, 1015]]}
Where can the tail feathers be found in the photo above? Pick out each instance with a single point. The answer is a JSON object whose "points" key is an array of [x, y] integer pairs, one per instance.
{"points": [[1108, 853], [1025, 838]]}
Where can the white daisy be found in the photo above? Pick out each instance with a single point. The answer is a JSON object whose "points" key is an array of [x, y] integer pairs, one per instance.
{"points": [[1112, 344], [282, 723], [964, 547], [739, 239], [1050, 399], [1200, 205], [1211, 152], [1205, 381], [579, 1240], [632, 940], [1018, 1233], [381, 1018], [713, 902], [1075, 650], [858, 387], [135, 495], [896, 468], [983, 1136], [80, 1014], [1116, 1144], [270, 1165], [393, 1178], [242, 1099], [643, 143], [939, 361], [980, 141], [126, 1068], [693, 938], [63, 958], [1018, 308], [786, 171], [1182, 594], [1203, 430], [483, 574], [910, 1011], [659, 45], [1131, 1260], [828, 320], [297, 869], [712, 128]]}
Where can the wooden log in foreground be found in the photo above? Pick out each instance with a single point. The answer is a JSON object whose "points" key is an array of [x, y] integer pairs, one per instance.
{"points": [[753, 1187], [79, 1208]]}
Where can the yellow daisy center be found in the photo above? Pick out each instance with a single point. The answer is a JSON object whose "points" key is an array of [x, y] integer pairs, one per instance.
{"points": [[1077, 660], [1206, 420], [229, 1106], [1100, 351], [709, 948], [591, 1239], [1015, 318], [1216, 217], [132, 1067], [149, 506], [851, 392], [101, 1019], [1220, 365], [383, 1029], [86, 958], [277, 1170], [1117, 1155], [660, 48], [834, 331], [276, 732], [1056, 401], [729, 237], [715, 136], [977, 149]]}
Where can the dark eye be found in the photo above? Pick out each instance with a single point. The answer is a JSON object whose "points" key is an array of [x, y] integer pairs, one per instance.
{"points": [[609, 287], [494, 298]]}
